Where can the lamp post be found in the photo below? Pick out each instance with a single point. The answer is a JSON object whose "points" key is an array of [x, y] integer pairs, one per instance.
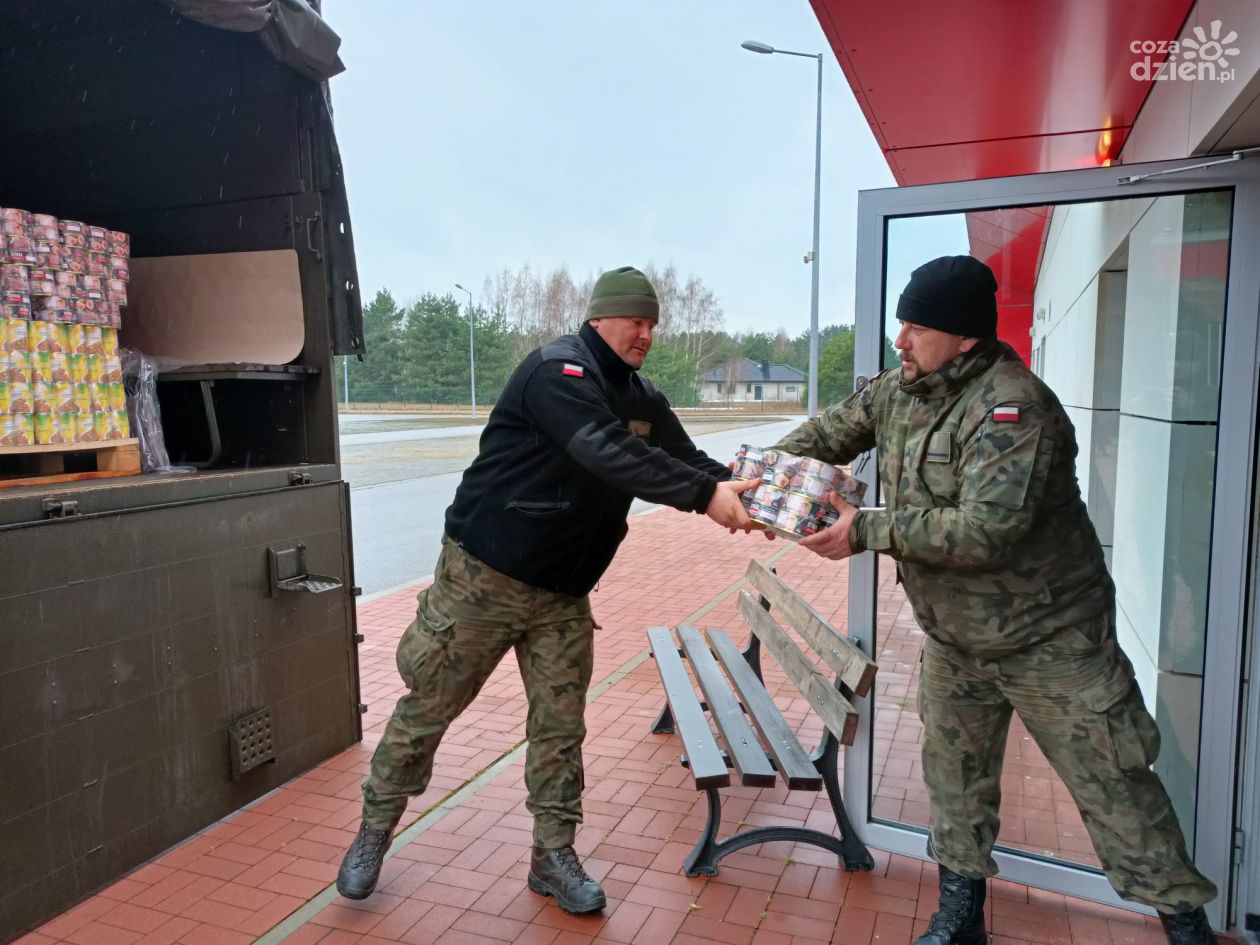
{"points": [[472, 356], [812, 259]]}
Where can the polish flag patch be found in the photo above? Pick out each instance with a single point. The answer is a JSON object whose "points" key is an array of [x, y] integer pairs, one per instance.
{"points": [[1006, 414], [574, 370]]}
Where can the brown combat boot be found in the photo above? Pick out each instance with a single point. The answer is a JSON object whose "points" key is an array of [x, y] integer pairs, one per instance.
{"points": [[361, 866], [559, 873], [1188, 928], [960, 919]]}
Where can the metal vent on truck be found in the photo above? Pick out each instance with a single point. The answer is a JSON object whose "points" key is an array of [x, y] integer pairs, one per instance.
{"points": [[251, 742]]}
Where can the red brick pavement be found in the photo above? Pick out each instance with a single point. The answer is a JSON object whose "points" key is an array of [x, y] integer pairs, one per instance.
{"points": [[461, 880]]}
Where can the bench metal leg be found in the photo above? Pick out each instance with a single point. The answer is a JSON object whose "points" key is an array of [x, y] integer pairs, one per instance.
{"points": [[664, 724], [703, 859]]}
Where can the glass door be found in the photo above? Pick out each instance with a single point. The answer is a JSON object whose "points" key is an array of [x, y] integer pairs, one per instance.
{"points": [[1128, 300]]}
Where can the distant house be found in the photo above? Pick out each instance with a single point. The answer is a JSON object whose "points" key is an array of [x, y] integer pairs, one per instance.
{"points": [[747, 380]]}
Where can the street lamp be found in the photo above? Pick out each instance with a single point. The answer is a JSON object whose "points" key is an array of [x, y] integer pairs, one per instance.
{"points": [[812, 258], [472, 356]]}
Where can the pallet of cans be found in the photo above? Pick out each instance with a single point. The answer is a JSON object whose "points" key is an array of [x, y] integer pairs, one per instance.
{"points": [[793, 499], [63, 284]]}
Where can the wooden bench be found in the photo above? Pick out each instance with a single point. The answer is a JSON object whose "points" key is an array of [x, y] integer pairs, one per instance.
{"points": [[743, 705]]}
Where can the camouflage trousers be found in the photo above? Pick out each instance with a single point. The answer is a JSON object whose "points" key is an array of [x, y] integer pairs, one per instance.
{"points": [[1077, 697], [465, 623]]}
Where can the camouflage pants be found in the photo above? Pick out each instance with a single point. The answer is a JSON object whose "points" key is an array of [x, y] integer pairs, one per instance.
{"points": [[465, 623], [1077, 697]]}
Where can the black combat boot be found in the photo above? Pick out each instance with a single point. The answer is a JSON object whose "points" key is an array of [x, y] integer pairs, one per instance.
{"points": [[361, 867], [960, 919], [559, 873], [1188, 928]]}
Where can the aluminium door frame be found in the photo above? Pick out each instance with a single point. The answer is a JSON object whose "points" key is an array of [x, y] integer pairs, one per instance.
{"points": [[1232, 496]]}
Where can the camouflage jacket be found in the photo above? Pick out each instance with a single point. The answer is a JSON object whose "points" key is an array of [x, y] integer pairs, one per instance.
{"points": [[981, 508]]}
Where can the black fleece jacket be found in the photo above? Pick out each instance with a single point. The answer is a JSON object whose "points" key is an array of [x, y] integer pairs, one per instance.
{"points": [[574, 438]]}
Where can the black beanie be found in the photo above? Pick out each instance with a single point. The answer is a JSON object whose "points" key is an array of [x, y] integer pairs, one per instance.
{"points": [[955, 294]]}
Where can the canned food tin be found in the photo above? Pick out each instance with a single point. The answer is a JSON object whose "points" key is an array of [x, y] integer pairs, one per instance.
{"points": [[100, 424], [45, 233], [42, 282], [13, 213], [50, 259], [14, 228], [17, 366], [20, 397], [95, 369], [71, 226], [21, 251], [109, 341], [97, 244], [94, 339], [16, 334], [42, 397], [44, 424], [116, 395], [16, 429], [812, 486], [41, 367], [77, 365], [64, 399], [120, 421], [96, 265], [765, 503], [119, 243], [47, 336], [111, 369], [75, 261], [790, 521], [76, 339], [122, 272], [82, 398], [85, 428], [803, 504], [14, 276], [16, 310]]}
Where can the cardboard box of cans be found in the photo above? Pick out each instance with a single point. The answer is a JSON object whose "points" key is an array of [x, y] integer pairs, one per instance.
{"points": [[60, 384], [793, 498], [62, 271]]}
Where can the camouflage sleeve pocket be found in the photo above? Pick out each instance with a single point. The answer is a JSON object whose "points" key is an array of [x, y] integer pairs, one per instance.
{"points": [[1124, 731], [1003, 468]]}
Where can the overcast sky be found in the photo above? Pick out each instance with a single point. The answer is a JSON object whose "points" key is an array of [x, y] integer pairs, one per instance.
{"points": [[597, 134]]}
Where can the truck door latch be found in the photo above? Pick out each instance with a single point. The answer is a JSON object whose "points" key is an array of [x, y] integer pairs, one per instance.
{"points": [[60, 508]]}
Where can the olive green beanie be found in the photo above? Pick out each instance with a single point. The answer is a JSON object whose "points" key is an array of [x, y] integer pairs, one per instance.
{"points": [[623, 293]]}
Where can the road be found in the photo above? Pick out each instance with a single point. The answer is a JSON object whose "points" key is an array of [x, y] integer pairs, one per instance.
{"points": [[403, 475]]}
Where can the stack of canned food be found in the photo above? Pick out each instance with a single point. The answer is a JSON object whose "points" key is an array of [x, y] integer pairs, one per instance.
{"points": [[60, 384], [62, 287], [794, 496]]}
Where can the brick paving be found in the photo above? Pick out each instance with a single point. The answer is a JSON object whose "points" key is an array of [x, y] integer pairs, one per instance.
{"points": [[265, 871]]}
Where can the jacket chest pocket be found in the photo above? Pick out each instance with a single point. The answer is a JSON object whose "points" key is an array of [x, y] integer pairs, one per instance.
{"points": [[938, 465]]}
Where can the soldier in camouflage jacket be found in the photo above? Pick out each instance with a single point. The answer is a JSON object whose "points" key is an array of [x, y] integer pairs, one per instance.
{"points": [[1002, 565]]}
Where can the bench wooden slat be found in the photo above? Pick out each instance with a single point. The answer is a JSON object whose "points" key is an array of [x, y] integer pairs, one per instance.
{"points": [[797, 770], [834, 709], [699, 744], [855, 669], [746, 753]]}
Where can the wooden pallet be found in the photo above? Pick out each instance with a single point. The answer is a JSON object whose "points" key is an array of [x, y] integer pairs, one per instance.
{"points": [[69, 462]]}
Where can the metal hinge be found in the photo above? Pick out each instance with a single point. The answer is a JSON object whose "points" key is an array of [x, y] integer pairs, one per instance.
{"points": [[362, 708], [358, 638], [60, 508], [299, 478], [356, 591]]}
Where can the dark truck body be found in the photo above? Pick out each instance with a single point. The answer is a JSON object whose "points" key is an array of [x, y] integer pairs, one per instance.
{"points": [[140, 617]]}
